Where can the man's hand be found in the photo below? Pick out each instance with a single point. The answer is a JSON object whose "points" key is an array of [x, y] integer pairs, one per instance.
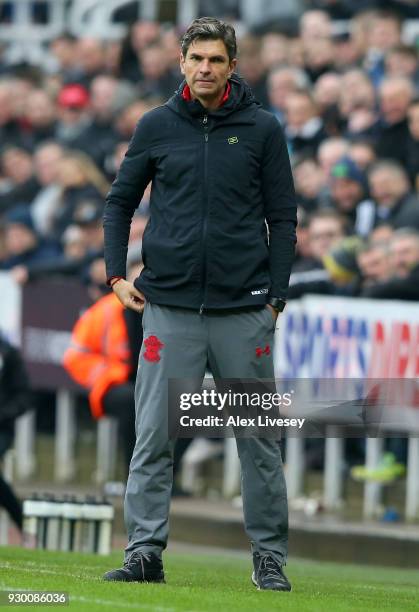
{"points": [[128, 295], [273, 312], [20, 274]]}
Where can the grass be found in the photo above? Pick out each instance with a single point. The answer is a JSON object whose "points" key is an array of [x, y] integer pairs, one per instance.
{"points": [[208, 583]]}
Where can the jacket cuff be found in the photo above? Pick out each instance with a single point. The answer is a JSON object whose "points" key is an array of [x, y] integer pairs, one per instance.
{"points": [[110, 280]]}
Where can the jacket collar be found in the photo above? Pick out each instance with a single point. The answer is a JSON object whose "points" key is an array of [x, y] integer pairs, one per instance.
{"points": [[238, 97], [186, 93]]}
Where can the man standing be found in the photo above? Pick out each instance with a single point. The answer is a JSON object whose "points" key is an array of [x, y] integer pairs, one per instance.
{"points": [[212, 285]]}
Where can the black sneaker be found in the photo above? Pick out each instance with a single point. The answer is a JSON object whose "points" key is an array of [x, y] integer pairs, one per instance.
{"points": [[268, 574], [139, 567]]}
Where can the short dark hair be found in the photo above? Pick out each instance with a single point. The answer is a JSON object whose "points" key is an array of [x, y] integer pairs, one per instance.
{"points": [[330, 213], [209, 28]]}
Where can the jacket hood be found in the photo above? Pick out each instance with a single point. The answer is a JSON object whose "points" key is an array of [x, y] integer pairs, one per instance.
{"points": [[240, 98]]}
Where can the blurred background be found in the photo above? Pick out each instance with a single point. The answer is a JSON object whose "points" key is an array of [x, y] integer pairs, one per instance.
{"points": [[342, 79]]}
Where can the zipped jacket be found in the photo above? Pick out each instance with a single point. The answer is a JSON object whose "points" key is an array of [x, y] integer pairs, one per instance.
{"points": [[221, 232]]}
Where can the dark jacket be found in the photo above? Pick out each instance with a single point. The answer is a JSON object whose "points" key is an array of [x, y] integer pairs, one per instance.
{"points": [[392, 141], [44, 252], [14, 391], [216, 176], [405, 213], [396, 288]]}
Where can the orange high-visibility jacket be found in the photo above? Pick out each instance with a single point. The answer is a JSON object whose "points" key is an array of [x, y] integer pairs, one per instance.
{"points": [[99, 355]]}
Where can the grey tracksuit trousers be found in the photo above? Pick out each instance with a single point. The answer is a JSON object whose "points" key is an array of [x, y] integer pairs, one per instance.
{"points": [[187, 342]]}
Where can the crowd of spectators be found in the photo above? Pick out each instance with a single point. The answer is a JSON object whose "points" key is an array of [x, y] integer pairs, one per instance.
{"points": [[349, 109]]}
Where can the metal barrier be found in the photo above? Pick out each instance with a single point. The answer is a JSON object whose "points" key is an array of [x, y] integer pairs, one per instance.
{"points": [[92, 18]]}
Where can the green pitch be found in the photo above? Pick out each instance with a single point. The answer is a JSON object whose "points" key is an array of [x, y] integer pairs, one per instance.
{"points": [[201, 583]]}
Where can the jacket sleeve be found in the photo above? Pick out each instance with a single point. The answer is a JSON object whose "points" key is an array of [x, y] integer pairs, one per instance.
{"points": [[280, 209], [127, 190]]}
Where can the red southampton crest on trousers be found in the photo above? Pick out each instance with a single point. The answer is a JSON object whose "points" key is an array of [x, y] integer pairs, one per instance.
{"points": [[152, 345], [265, 351]]}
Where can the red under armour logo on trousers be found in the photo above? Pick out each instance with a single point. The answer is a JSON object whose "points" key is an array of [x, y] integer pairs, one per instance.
{"points": [[265, 351]]}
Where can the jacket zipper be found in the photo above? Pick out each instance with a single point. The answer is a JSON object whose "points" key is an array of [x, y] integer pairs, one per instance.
{"points": [[205, 220]]}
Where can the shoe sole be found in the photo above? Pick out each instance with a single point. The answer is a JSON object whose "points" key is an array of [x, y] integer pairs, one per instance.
{"points": [[158, 580], [259, 589], [162, 581]]}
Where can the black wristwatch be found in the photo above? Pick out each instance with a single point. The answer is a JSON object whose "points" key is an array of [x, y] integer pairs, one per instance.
{"points": [[277, 304]]}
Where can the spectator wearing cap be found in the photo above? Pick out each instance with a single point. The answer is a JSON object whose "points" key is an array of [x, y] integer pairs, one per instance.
{"points": [[73, 104], [390, 190], [23, 245], [403, 283], [348, 191]]}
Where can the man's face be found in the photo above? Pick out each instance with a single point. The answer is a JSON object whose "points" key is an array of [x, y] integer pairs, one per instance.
{"points": [[19, 239], [280, 85], [323, 234], [46, 161], [404, 255], [346, 193], [374, 265], [387, 187], [207, 67], [299, 110], [394, 102], [308, 178]]}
